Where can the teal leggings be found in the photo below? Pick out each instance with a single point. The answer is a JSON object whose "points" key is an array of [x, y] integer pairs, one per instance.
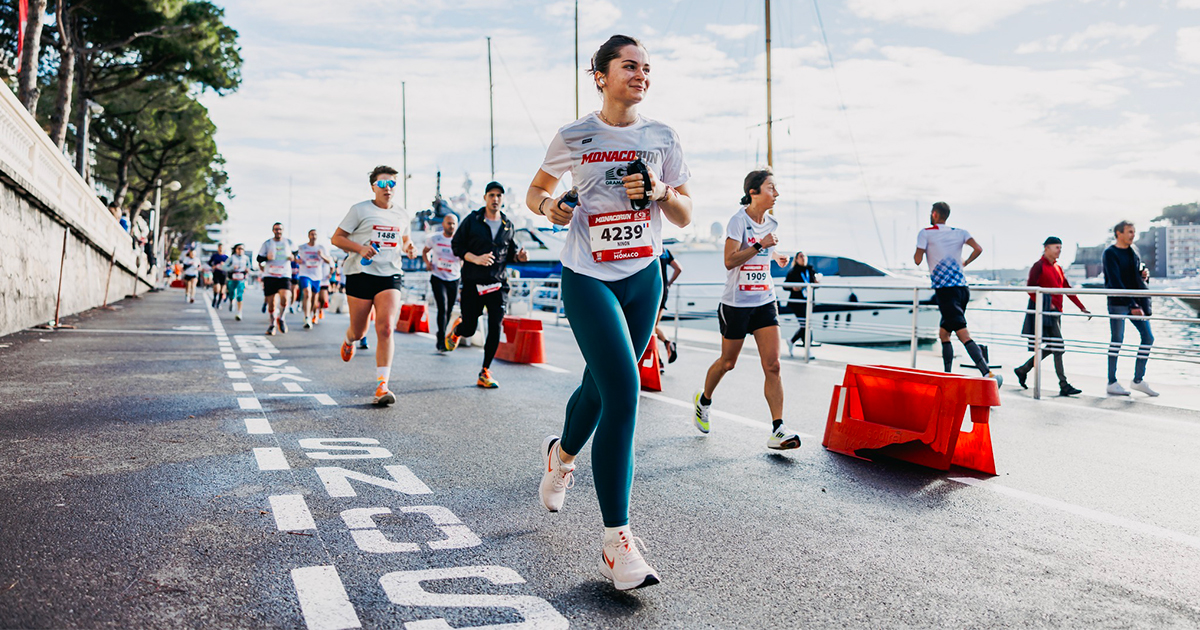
{"points": [[612, 323]]}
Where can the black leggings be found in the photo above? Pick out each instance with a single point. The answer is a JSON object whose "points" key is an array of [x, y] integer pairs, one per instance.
{"points": [[472, 308], [445, 294]]}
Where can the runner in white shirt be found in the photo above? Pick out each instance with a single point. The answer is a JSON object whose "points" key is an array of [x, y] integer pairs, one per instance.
{"points": [[611, 284], [191, 275], [375, 235], [748, 305], [313, 258], [445, 269], [323, 294], [276, 258], [237, 269]]}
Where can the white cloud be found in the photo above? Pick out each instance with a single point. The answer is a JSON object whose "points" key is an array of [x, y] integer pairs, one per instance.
{"points": [[1187, 45], [1189, 4], [955, 16], [1091, 39], [732, 31], [594, 15]]}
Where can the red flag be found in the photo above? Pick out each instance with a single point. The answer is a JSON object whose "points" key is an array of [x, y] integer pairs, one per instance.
{"points": [[22, 20]]}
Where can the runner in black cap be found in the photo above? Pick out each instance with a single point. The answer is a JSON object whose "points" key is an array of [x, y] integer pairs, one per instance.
{"points": [[1048, 274], [485, 243]]}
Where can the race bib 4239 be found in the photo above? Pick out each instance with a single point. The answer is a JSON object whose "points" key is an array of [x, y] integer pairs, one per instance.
{"points": [[620, 235]]}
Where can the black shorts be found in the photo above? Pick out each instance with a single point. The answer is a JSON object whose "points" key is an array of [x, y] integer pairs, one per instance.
{"points": [[271, 285], [739, 321], [218, 276], [952, 302], [365, 286]]}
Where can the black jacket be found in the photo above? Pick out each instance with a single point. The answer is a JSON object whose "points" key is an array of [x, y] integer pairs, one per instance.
{"points": [[474, 236]]}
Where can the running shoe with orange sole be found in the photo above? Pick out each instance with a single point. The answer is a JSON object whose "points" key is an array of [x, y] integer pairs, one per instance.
{"points": [[383, 396], [451, 338], [347, 350], [485, 380]]}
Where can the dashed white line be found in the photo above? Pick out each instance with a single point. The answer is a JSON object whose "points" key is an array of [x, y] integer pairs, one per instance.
{"points": [[237, 374], [229, 357], [1088, 513], [324, 399], [271, 458], [258, 426], [323, 599], [249, 403], [550, 368], [243, 387], [291, 512], [233, 365], [720, 414]]}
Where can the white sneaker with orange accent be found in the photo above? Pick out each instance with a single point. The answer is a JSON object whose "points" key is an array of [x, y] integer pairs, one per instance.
{"points": [[383, 396], [622, 562], [556, 476]]}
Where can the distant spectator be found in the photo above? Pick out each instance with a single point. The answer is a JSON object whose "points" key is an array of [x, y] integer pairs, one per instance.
{"points": [[800, 272], [1123, 269], [124, 222], [115, 209]]}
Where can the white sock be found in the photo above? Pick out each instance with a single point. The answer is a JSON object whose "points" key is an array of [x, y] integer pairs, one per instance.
{"points": [[613, 532], [383, 372]]}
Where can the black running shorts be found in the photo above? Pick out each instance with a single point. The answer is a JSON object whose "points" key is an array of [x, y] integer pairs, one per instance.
{"points": [[365, 286], [739, 321], [218, 276], [271, 285], [952, 302]]}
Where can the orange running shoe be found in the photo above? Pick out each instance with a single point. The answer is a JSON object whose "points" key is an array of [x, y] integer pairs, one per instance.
{"points": [[485, 380], [347, 350], [451, 338], [383, 397]]}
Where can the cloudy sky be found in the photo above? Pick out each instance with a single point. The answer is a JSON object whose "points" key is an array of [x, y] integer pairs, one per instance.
{"points": [[1030, 117]]}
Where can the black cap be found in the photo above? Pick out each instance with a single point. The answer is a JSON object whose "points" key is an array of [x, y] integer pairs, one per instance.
{"points": [[1053, 240], [491, 185]]}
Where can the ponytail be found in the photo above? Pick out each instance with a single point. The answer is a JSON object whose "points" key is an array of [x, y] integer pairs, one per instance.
{"points": [[754, 181]]}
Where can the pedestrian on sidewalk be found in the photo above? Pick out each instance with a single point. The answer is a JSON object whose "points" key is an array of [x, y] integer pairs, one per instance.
{"points": [[445, 270], [1047, 273], [486, 243], [797, 304], [611, 287], [943, 245], [1124, 270], [375, 234]]}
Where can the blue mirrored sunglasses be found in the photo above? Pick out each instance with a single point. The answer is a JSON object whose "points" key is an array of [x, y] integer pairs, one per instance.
{"points": [[386, 183]]}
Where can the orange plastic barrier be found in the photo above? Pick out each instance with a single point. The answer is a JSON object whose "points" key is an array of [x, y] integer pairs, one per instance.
{"points": [[414, 318], [912, 415], [649, 367], [523, 341]]}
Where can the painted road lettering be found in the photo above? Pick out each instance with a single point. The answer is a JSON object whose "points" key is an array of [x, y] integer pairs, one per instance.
{"points": [[403, 588], [337, 481], [362, 526], [367, 451]]}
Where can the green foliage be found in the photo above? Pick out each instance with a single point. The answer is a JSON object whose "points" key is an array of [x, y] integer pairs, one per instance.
{"points": [[1181, 214]]}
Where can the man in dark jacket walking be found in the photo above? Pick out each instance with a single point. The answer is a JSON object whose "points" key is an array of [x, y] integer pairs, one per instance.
{"points": [[1123, 270], [485, 243]]}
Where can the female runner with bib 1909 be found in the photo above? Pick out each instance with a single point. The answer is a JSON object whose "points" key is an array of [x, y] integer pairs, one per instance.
{"points": [[611, 284], [748, 304], [375, 235]]}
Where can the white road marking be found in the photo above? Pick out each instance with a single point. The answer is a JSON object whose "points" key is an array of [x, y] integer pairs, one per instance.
{"points": [[271, 458], [264, 355], [291, 512], [243, 387], [233, 365], [293, 387], [189, 328], [550, 368], [236, 374], [258, 426], [323, 599], [134, 332], [427, 335], [1088, 513], [278, 375], [324, 399], [250, 403], [720, 414], [229, 357]]}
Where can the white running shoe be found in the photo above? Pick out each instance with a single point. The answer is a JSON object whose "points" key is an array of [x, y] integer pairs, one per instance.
{"points": [[622, 562], [556, 476], [996, 375], [1115, 389], [1141, 386], [238, 316], [701, 417], [782, 439]]}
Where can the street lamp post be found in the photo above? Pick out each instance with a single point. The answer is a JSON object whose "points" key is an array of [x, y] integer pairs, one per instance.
{"points": [[158, 244]]}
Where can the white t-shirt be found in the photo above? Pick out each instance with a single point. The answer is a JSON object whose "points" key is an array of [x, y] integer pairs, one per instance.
{"points": [[386, 228], [326, 272], [311, 260], [191, 265], [444, 264], [238, 266], [943, 252], [280, 267], [607, 240], [750, 284]]}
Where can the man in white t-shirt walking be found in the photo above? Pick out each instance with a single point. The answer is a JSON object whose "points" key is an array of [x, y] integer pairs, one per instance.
{"points": [[445, 269], [275, 255], [313, 258], [942, 245]]}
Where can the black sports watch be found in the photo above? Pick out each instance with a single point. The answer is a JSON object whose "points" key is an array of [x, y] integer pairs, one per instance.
{"points": [[757, 246]]}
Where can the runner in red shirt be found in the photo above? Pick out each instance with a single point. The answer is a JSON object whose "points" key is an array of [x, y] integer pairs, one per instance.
{"points": [[1046, 273]]}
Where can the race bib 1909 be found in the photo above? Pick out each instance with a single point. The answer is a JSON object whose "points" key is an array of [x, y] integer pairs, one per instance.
{"points": [[620, 235], [754, 278]]}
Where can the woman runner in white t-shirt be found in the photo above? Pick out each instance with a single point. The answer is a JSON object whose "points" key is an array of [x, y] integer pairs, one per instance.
{"points": [[375, 235], [748, 305], [611, 285]]}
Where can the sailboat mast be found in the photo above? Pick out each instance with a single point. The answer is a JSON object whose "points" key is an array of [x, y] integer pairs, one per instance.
{"points": [[404, 138], [491, 112], [576, 59], [770, 148]]}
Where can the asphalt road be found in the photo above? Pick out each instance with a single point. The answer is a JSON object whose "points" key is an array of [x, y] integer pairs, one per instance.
{"points": [[136, 495]]}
